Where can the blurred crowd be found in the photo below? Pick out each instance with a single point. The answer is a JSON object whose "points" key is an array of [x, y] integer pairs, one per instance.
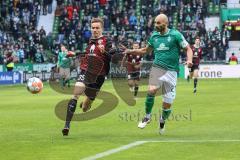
{"points": [[131, 19], [18, 30]]}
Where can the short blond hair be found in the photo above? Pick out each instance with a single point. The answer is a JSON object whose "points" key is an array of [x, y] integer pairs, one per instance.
{"points": [[97, 20]]}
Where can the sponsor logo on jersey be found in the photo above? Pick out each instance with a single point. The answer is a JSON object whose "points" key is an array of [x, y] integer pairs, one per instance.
{"points": [[162, 47]]}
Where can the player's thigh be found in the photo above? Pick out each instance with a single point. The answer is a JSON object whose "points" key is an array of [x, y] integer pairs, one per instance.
{"points": [[61, 72], [130, 82], [195, 73], [169, 93], [136, 82], [155, 75], [80, 85], [191, 74], [65, 73], [93, 88], [79, 88], [169, 86]]}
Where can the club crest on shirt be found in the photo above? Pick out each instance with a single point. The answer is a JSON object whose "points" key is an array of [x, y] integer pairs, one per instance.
{"points": [[169, 38], [100, 41]]}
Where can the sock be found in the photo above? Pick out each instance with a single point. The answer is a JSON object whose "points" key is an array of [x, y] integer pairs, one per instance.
{"points": [[61, 82], [64, 82], [70, 111], [149, 103], [67, 82], [195, 82], [135, 91], [166, 113], [188, 78], [148, 116]]}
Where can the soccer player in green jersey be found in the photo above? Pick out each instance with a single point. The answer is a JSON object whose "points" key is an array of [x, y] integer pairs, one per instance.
{"points": [[166, 44], [63, 65]]}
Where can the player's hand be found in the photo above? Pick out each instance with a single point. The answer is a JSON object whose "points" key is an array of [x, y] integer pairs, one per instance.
{"points": [[127, 51], [189, 64]]}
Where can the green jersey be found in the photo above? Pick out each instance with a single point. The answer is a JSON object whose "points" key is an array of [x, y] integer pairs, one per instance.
{"points": [[166, 49], [63, 60]]}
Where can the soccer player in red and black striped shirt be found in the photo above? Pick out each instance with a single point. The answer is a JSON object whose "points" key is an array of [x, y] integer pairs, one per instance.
{"points": [[94, 67], [133, 68], [197, 56]]}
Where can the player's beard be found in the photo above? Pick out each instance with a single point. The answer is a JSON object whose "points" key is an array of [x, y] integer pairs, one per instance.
{"points": [[160, 29]]}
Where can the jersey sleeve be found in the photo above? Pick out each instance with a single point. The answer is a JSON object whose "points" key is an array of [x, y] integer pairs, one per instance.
{"points": [[181, 40], [108, 47], [150, 41], [200, 54]]}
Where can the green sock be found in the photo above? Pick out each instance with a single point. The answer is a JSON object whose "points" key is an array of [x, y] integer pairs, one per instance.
{"points": [[68, 82], [61, 82], [166, 113], [149, 104]]}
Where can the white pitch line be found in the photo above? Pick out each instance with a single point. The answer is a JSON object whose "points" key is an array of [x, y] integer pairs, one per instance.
{"points": [[137, 143], [194, 141], [125, 147]]}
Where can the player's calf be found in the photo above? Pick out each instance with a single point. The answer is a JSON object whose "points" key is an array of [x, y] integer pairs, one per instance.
{"points": [[136, 90], [195, 85], [70, 112], [161, 125]]}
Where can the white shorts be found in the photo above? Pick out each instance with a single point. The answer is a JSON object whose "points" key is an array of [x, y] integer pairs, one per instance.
{"points": [[166, 81], [64, 72]]}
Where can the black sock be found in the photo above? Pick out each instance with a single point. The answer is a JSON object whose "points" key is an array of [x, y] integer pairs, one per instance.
{"points": [[135, 91], [70, 111], [195, 82], [188, 78]]}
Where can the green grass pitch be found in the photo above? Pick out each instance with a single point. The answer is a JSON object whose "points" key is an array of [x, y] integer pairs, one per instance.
{"points": [[30, 130]]}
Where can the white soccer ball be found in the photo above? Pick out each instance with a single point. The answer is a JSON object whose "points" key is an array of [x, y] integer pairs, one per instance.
{"points": [[34, 85]]}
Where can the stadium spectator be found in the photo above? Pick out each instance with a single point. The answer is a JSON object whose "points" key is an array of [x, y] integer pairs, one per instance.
{"points": [[9, 60], [124, 18], [1, 54], [38, 57], [233, 60]]}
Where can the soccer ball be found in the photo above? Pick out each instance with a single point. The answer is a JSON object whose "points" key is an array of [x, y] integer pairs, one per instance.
{"points": [[34, 85]]}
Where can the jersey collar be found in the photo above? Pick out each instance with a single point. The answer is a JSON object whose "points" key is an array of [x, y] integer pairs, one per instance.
{"points": [[168, 30]]}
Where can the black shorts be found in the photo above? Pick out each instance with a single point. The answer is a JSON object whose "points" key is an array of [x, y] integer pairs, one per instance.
{"points": [[194, 67], [134, 76], [92, 82]]}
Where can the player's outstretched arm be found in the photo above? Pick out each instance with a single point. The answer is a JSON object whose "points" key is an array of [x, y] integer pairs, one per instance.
{"points": [[140, 51], [123, 60], [189, 55]]}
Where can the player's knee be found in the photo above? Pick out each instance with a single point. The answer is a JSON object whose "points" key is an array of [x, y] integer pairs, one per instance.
{"points": [[72, 105], [79, 89], [80, 85], [168, 100], [152, 92], [130, 83]]}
